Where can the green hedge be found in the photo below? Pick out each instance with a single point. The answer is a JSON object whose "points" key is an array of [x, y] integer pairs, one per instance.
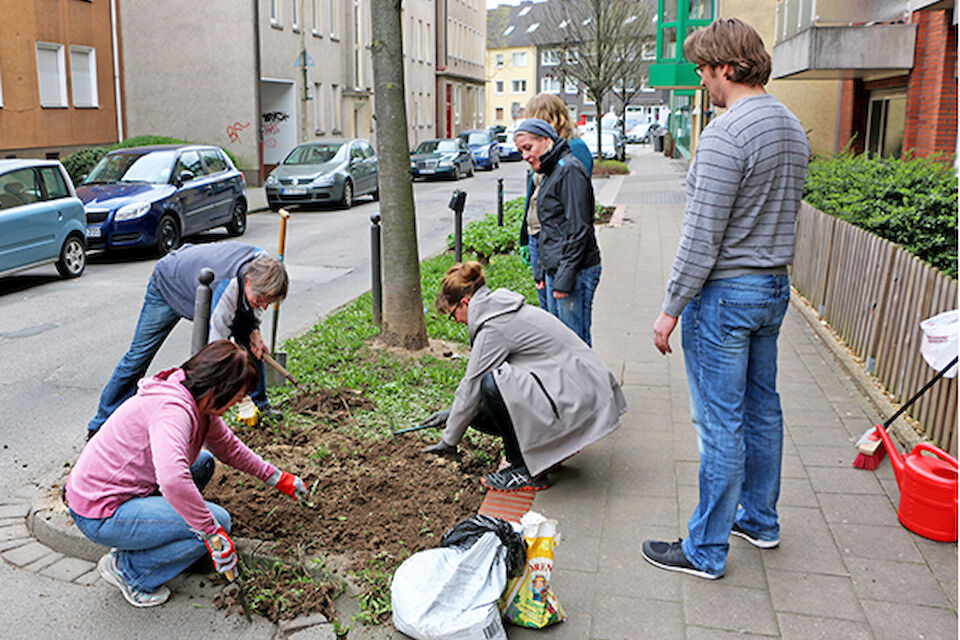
{"points": [[79, 163], [912, 202], [485, 238]]}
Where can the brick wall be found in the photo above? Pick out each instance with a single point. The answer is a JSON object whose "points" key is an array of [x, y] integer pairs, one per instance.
{"points": [[852, 118], [931, 122]]}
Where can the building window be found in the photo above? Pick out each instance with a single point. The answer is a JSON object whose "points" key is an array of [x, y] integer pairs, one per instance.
{"points": [[649, 51], [317, 108], [498, 87], [83, 76], [334, 19], [420, 40], [315, 25], [519, 59], [499, 113], [51, 75], [457, 97], [524, 11], [885, 122], [508, 30], [533, 27], [275, 13], [586, 98], [549, 57], [334, 112], [357, 44], [549, 85], [570, 86], [295, 14], [428, 46], [518, 86]]}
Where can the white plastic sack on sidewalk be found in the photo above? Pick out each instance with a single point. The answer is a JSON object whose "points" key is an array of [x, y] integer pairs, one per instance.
{"points": [[939, 344], [451, 594]]}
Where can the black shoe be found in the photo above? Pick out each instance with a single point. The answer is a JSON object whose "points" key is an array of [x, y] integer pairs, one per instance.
{"points": [[514, 479], [753, 538], [90, 434], [670, 556]]}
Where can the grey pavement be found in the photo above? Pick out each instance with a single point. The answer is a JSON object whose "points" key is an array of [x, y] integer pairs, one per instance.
{"points": [[845, 567]]}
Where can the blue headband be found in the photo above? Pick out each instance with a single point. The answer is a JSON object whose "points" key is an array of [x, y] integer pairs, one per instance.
{"points": [[537, 127]]}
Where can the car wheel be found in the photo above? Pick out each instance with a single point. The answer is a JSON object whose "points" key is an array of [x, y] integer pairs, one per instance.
{"points": [[495, 164], [73, 257], [470, 170], [376, 194], [238, 223], [168, 235], [347, 200], [456, 172]]}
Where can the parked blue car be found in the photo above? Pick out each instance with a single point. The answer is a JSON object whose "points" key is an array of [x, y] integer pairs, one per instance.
{"points": [[484, 147], [156, 195], [41, 218]]}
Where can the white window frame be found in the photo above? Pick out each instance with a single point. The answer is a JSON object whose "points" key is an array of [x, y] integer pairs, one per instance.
{"points": [[533, 27], [518, 55], [334, 19], [275, 14], [335, 108], [318, 108], [315, 28], [457, 99], [570, 86], [61, 78], [514, 84], [295, 15], [549, 57], [549, 85], [508, 30], [357, 44], [91, 60], [586, 98], [428, 47], [498, 87]]}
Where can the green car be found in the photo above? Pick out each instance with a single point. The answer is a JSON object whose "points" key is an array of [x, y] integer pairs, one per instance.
{"points": [[324, 172], [447, 157]]}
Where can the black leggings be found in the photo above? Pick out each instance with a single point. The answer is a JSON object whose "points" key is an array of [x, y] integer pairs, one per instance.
{"points": [[492, 418]]}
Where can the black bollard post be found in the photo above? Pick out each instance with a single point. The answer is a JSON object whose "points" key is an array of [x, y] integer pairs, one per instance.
{"points": [[201, 310], [499, 202], [457, 201], [376, 286]]}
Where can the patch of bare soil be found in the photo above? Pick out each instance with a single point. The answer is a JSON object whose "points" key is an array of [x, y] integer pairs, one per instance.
{"points": [[603, 217], [368, 499]]}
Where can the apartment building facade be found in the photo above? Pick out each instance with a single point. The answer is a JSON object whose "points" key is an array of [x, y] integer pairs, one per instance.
{"points": [[57, 77], [460, 66], [417, 19]]}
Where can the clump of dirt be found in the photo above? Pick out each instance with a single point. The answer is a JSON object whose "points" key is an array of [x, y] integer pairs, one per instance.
{"points": [[368, 498], [280, 592]]}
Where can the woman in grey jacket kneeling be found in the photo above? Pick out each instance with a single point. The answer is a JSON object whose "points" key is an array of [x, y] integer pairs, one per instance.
{"points": [[530, 380]]}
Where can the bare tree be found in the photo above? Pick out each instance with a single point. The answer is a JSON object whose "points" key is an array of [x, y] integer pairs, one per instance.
{"points": [[631, 84], [403, 324], [594, 38]]}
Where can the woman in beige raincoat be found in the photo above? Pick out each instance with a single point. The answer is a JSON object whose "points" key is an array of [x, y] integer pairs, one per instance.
{"points": [[530, 380]]}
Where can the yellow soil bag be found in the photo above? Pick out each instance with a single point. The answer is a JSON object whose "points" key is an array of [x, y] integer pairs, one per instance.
{"points": [[528, 601]]}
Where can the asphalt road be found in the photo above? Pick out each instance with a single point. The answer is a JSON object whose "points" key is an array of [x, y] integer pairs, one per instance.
{"points": [[61, 339]]}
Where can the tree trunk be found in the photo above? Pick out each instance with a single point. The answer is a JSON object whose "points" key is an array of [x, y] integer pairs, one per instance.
{"points": [[403, 324]]}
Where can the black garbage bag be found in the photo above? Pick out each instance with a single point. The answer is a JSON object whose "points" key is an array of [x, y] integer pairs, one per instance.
{"points": [[466, 532]]}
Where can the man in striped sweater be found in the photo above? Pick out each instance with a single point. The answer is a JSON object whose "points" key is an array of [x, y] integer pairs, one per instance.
{"points": [[729, 280]]}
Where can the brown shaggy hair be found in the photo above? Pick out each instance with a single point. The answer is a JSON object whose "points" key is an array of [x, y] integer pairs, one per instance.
{"points": [[461, 280], [222, 367], [730, 41]]}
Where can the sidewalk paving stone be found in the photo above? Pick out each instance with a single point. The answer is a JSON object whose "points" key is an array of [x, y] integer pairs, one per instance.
{"points": [[891, 621], [814, 594], [713, 604], [706, 633], [28, 553], [906, 582], [840, 508], [577, 626], [803, 627], [797, 492], [847, 480], [16, 510], [876, 541], [68, 569], [15, 531], [42, 563], [619, 617]]}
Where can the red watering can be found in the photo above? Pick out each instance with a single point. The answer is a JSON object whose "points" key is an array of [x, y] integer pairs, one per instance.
{"points": [[928, 489]]}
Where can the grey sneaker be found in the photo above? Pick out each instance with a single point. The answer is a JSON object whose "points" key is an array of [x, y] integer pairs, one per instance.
{"points": [[670, 556], [753, 539], [111, 573]]}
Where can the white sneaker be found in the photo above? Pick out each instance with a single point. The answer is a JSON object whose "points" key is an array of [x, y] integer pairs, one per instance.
{"points": [[110, 572]]}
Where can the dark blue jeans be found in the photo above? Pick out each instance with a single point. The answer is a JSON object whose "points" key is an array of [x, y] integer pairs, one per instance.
{"points": [[157, 320], [730, 331], [154, 543], [576, 309], [534, 245]]}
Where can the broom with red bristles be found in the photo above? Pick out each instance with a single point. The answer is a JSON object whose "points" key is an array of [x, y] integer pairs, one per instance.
{"points": [[871, 451]]}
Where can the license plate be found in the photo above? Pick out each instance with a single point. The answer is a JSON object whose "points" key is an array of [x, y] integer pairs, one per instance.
{"points": [[427, 170], [93, 232], [294, 191]]}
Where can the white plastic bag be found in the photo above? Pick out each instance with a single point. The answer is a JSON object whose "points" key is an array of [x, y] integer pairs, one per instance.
{"points": [[451, 594], [939, 344]]}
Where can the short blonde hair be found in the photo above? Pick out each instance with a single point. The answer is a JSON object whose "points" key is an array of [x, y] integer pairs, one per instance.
{"points": [[552, 109]]}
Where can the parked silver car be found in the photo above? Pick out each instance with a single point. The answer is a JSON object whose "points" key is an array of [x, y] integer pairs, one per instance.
{"points": [[328, 171]]}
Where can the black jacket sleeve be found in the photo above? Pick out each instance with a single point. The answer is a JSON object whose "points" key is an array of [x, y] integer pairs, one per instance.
{"points": [[576, 194]]}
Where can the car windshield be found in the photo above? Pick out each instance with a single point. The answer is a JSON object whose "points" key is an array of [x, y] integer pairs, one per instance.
{"points": [[151, 166], [477, 137], [317, 153], [437, 146]]}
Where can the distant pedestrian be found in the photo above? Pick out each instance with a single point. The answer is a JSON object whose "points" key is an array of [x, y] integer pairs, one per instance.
{"points": [[729, 280], [246, 281], [137, 486], [529, 381], [551, 109], [567, 267]]}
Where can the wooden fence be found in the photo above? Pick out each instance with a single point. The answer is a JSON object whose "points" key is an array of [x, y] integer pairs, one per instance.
{"points": [[874, 294]]}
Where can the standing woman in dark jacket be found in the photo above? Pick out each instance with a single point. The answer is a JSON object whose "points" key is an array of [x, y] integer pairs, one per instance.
{"points": [[568, 261]]}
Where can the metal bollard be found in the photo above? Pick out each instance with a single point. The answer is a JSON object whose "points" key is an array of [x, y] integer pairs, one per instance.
{"points": [[201, 310], [457, 202], [499, 202], [376, 286]]}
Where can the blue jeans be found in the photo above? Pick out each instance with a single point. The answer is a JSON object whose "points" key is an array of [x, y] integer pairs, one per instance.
{"points": [[154, 543], [730, 331], [576, 309], [157, 320], [534, 245]]}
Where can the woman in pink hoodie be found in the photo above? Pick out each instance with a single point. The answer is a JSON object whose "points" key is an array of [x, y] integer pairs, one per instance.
{"points": [[136, 486]]}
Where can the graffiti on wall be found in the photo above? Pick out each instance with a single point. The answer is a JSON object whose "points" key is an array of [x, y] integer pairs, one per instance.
{"points": [[271, 127], [233, 130]]}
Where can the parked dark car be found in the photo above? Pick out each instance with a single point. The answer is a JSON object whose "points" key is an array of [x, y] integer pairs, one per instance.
{"points": [[485, 148], [329, 171], [156, 195], [447, 157], [41, 218]]}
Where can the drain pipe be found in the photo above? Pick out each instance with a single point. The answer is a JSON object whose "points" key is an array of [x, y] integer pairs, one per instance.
{"points": [[116, 69], [256, 90]]}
